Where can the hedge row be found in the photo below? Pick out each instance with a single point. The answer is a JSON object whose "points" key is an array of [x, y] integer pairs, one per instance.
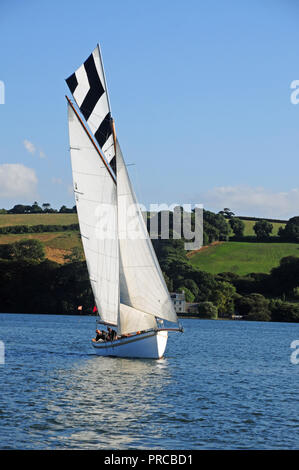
{"points": [[38, 228]]}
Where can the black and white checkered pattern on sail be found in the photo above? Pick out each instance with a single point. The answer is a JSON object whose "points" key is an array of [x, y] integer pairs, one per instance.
{"points": [[87, 86]]}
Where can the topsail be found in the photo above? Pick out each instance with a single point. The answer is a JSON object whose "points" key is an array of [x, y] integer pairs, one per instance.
{"points": [[88, 87]]}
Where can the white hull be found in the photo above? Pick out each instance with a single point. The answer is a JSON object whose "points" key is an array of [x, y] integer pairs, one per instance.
{"points": [[151, 344]]}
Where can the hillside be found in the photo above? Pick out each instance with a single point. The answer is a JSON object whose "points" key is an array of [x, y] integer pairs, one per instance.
{"points": [[57, 244], [36, 219], [242, 257], [238, 257]]}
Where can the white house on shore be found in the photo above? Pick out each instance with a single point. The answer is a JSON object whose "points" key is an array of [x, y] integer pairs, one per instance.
{"points": [[179, 302]]}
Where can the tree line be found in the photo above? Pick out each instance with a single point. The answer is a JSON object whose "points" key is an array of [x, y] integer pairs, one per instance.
{"points": [[38, 228], [35, 208], [217, 227], [263, 230], [30, 283]]}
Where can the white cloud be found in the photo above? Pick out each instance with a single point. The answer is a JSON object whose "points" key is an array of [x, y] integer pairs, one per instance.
{"points": [[29, 146], [17, 180], [56, 180], [259, 202]]}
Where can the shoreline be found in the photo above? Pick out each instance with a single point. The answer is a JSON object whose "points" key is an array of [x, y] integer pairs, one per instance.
{"points": [[190, 316]]}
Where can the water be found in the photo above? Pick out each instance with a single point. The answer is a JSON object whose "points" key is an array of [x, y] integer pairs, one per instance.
{"points": [[221, 385]]}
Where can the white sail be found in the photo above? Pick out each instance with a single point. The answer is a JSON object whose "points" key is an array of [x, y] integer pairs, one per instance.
{"points": [[142, 285], [132, 320], [96, 201], [89, 89]]}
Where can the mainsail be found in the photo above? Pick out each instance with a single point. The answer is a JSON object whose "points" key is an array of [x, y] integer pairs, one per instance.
{"points": [[88, 87], [95, 193]]}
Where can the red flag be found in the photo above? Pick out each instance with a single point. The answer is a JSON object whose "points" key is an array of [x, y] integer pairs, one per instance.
{"points": [[95, 309]]}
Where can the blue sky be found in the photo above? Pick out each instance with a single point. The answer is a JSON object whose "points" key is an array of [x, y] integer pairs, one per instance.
{"points": [[200, 92]]}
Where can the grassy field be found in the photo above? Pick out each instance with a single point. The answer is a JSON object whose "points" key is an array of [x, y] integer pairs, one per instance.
{"points": [[57, 244], [249, 224], [37, 219], [242, 257]]}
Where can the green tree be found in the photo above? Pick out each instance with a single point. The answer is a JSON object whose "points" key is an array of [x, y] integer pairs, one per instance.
{"points": [[237, 226], [74, 255], [211, 233], [26, 249], [263, 229], [35, 208], [207, 310], [192, 286], [189, 297], [291, 230], [284, 278], [284, 311], [253, 307], [18, 209], [169, 282], [227, 213], [206, 284], [65, 210], [72, 288], [217, 221], [223, 297], [46, 206]]}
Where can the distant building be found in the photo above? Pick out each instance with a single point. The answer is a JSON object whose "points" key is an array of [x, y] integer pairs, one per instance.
{"points": [[179, 302], [191, 307]]}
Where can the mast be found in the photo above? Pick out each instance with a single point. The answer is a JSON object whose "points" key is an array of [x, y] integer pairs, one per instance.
{"points": [[108, 99], [104, 76], [114, 142], [114, 133]]}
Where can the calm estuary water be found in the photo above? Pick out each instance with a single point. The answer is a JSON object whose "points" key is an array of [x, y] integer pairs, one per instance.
{"points": [[221, 385]]}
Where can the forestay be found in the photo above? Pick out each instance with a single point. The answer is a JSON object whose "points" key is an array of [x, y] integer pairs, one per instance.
{"points": [[142, 285], [96, 200]]}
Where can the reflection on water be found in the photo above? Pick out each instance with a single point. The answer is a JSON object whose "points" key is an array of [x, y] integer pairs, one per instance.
{"points": [[106, 401]]}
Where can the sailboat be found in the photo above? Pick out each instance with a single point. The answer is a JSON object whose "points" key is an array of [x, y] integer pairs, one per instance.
{"points": [[127, 283]]}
